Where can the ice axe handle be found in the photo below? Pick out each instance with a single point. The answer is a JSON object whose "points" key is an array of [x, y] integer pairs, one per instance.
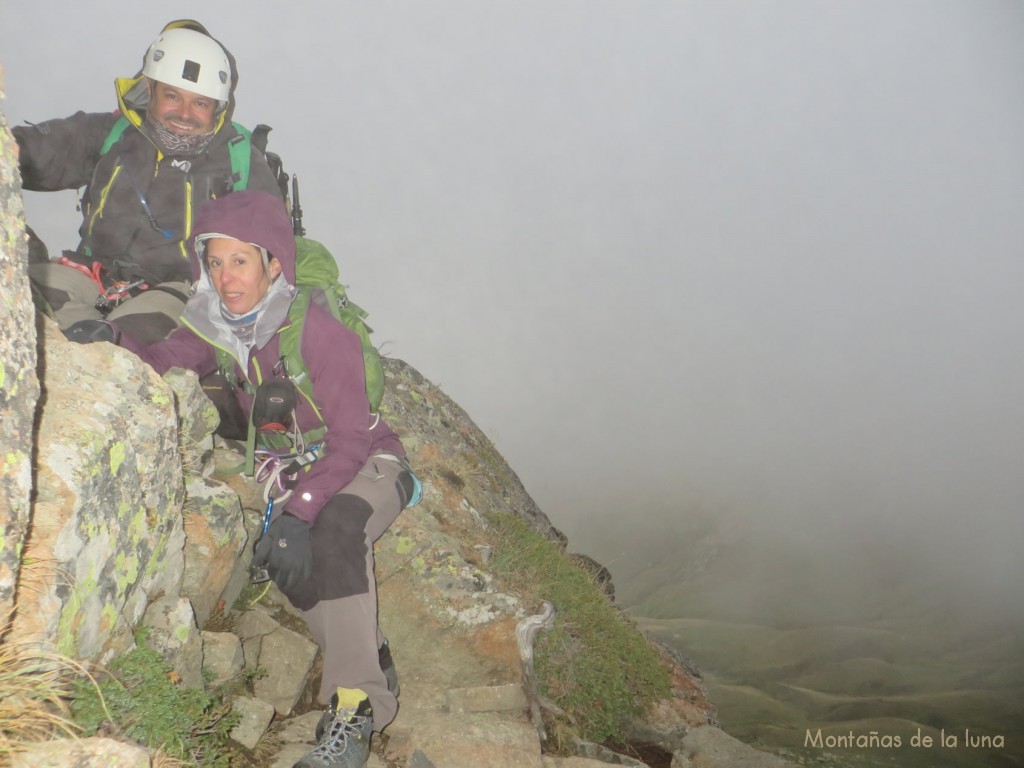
{"points": [[259, 574]]}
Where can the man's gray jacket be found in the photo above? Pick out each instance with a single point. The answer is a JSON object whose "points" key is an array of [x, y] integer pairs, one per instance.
{"points": [[139, 204]]}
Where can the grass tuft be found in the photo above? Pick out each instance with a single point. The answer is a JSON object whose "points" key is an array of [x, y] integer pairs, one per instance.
{"points": [[141, 700], [594, 664], [191, 454], [35, 682]]}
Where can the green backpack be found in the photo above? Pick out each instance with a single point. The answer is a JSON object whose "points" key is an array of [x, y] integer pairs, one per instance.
{"points": [[317, 279]]}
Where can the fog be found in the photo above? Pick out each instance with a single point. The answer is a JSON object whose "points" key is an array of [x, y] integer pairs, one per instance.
{"points": [[761, 258]]}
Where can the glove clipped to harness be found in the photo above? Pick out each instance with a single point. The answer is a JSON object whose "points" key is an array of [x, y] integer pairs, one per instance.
{"points": [[286, 551], [88, 331]]}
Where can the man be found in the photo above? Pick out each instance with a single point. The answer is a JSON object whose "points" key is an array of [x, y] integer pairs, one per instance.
{"points": [[146, 170]]}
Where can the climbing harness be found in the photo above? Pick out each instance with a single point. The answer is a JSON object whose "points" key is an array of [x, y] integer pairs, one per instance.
{"points": [[109, 295], [279, 448]]}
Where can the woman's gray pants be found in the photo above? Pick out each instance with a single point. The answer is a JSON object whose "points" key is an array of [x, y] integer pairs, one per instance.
{"points": [[339, 601]]}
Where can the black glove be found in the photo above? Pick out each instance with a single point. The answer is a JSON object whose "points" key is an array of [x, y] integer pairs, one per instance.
{"points": [[286, 551], [88, 331]]}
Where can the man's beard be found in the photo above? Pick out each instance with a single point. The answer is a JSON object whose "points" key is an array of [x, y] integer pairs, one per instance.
{"points": [[174, 144]]}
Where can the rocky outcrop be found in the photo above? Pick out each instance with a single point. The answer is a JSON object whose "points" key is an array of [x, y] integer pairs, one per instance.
{"points": [[107, 533], [19, 387]]}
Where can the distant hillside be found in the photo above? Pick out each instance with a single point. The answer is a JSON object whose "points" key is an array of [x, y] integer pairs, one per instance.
{"points": [[852, 634]]}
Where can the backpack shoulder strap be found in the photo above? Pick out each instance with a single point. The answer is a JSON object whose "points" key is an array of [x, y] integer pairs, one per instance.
{"points": [[226, 366], [291, 347], [239, 149], [291, 336], [241, 156], [115, 134]]}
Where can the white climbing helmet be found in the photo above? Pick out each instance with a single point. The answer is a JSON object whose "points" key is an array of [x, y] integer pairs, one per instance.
{"points": [[184, 58]]}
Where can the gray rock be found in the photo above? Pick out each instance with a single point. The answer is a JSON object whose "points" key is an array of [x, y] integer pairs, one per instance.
{"points": [[255, 621], [488, 698], [176, 637], [198, 419], [287, 658], [254, 717], [19, 382], [710, 747], [107, 517], [222, 657], [296, 738], [215, 536], [239, 578], [478, 739], [602, 754], [300, 730], [419, 760], [82, 753], [289, 755], [251, 627]]}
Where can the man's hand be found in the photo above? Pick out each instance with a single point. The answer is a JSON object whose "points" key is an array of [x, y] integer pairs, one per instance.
{"points": [[286, 551]]}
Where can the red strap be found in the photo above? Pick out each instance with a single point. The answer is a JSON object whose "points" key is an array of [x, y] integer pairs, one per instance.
{"points": [[94, 274]]}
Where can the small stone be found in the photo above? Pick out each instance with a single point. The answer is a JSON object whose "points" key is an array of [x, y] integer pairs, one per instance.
{"points": [[254, 717]]}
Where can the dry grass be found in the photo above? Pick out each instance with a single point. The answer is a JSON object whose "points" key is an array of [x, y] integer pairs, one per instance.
{"points": [[161, 760], [35, 682], [455, 470], [191, 454]]}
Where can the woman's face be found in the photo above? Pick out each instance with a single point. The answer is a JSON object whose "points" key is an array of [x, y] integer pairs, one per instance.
{"points": [[236, 270]]}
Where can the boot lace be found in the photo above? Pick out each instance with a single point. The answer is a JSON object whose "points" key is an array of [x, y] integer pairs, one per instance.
{"points": [[345, 725]]}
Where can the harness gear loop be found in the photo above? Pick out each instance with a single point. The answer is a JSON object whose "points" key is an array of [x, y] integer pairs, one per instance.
{"points": [[276, 471], [109, 295]]}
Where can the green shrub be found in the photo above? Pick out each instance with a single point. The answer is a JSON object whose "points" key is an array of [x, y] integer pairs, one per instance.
{"points": [[140, 699], [595, 664]]}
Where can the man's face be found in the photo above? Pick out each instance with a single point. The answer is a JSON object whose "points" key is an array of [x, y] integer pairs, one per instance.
{"points": [[181, 112]]}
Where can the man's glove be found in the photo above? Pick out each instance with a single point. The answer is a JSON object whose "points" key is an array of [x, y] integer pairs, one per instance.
{"points": [[286, 551], [88, 331]]}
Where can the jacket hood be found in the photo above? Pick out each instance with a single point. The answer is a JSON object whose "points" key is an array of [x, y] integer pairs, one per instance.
{"points": [[253, 217]]}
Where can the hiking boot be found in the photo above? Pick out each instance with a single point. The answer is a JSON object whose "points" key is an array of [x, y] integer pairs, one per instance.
{"points": [[346, 728], [387, 666]]}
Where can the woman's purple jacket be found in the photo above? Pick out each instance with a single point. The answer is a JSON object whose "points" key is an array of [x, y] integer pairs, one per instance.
{"points": [[332, 352]]}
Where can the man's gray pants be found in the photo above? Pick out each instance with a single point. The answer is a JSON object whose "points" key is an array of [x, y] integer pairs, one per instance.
{"points": [[71, 294]]}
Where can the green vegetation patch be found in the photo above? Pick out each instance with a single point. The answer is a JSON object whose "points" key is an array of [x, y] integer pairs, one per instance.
{"points": [[595, 664], [141, 700]]}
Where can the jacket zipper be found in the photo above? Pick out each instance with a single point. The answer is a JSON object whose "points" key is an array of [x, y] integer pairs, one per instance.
{"points": [[104, 193]]}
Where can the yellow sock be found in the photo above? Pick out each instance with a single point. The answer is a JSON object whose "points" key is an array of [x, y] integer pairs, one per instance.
{"points": [[349, 698]]}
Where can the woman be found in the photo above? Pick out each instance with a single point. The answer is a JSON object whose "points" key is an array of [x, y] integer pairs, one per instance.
{"points": [[318, 547]]}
